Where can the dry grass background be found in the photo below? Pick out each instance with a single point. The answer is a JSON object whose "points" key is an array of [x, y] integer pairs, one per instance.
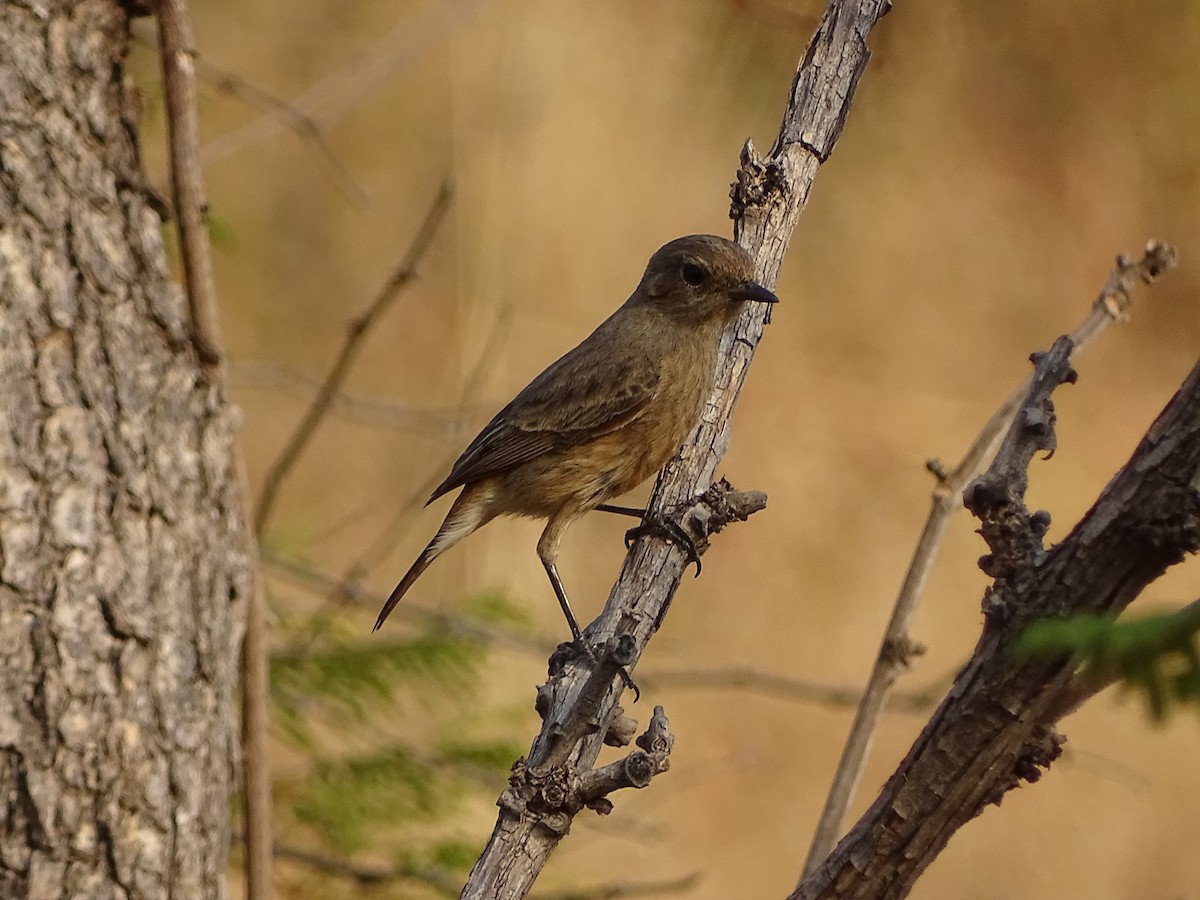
{"points": [[996, 158]]}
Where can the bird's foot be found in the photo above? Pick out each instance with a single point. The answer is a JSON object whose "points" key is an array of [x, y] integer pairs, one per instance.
{"points": [[667, 529]]}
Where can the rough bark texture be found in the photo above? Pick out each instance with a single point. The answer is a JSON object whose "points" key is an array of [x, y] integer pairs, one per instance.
{"points": [[579, 703], [122, 571], [995, 727]]}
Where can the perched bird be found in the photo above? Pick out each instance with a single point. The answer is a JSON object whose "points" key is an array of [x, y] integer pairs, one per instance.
{"points": [[608, 414]]}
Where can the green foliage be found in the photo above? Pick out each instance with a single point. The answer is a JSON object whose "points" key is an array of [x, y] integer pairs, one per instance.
{"points": [[1155, 656], [386, 732], [345, 798], [221, 231]]}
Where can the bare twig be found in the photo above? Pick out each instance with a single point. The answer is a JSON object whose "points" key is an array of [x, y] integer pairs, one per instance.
{"points": [[372, 411], [443, 882], [579, 703], [183, 130], [176, 52], [366, 873], [356, 336], [748, 681], [619, 890], [783, 688], [304, 126], [233, 85], [329, 100], [896, 651], [355, 592]]}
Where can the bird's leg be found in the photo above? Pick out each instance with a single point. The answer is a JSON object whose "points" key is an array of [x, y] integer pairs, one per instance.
{"points": [[633, 511], [548, 553], [561, 594]]}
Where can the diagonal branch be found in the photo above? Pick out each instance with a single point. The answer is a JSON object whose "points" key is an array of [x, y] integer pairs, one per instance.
{"points": [[579, 704], [897, 649], [994, 728]]}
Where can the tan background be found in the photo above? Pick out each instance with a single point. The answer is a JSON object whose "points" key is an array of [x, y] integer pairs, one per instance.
{"points": [[996, 158]]}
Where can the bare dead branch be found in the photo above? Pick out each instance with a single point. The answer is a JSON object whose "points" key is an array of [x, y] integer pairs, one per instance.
{"points": [[231, 84], [619, 890], [576, 705], [356, 336], [176, 54], [895, 652], [333, 97], [355, 592], [366, 873], [372, 411], [183, 131], [994, 728], [557, 794], [781, 687]]}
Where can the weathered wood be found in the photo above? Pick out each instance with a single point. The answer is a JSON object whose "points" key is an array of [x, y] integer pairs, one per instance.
{"points": [[995, 728], [580, 703]]}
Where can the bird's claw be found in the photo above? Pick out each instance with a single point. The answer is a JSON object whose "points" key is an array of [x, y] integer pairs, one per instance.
{"points": [[583, 647], [667, 529]]}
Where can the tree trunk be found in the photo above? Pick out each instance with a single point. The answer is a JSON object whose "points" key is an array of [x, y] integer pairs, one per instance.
{"points": [[123, 571]]}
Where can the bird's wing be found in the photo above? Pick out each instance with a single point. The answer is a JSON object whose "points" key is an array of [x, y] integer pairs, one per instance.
{"points": [[594, 389]]}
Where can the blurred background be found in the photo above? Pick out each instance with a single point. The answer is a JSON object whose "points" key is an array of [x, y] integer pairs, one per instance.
{"points": [[996, 159]]}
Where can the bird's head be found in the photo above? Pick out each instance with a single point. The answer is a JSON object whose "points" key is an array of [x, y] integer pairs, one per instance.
{"points": [[701, 277]]}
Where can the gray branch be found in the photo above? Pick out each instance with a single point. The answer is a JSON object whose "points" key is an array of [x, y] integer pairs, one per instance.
{"points": [[995, 727], [579, 703]]}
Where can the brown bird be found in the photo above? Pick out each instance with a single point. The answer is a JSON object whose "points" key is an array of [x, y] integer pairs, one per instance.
{"points": [[608, 414]]}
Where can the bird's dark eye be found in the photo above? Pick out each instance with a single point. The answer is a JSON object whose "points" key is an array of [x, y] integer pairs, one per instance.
{"points": [[693, 274]]}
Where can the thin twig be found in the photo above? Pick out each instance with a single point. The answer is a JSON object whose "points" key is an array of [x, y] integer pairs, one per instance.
{"points": [[365, 873], [896, 651], [445, 883], [183, 132], [328, 101], [371, 411], [231, 84], [623, 889], [782, 688], [747, 681], [304, 126], [355, 592], [176, 53], [356, 337]]}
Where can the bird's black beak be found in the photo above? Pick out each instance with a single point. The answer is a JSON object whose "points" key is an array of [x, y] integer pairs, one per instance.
{"points": [[753, 292]]}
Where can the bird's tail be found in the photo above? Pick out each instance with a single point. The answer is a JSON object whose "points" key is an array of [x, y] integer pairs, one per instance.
{"points": [[468, 513]]}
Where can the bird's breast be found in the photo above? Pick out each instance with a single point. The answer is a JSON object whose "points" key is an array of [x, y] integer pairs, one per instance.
{"points": [[587, 474]]}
